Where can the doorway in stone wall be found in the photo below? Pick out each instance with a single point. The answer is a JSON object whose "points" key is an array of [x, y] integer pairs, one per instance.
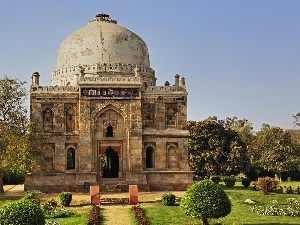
{"points": [[110, 163]]}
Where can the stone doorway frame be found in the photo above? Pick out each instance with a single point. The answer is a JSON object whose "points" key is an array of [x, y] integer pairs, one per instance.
{"points": [[102, 146]]}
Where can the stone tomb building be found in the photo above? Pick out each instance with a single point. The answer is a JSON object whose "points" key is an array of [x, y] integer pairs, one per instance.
{"points": [[106, 120]]}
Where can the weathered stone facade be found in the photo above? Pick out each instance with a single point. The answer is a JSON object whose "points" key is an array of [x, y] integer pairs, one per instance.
{"points": [[107, 121]]}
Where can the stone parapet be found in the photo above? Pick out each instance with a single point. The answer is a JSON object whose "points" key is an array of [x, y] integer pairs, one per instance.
{"points": [[65, 89], [111, 81], [164, 90], [99, 68]]}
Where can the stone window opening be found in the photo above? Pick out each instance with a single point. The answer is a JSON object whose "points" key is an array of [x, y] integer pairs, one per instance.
{"points": [[48, 157], [70, 158], [70, 120], [149, 157], [109, 131], [171, 116], [47, 120], [172, 157]]}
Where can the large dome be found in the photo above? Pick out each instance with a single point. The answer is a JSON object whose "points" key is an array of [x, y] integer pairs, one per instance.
{"points": [[101, 42]]}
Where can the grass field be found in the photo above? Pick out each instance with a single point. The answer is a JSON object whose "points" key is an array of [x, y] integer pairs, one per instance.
{"points": [[160, 215], [240, 214]]}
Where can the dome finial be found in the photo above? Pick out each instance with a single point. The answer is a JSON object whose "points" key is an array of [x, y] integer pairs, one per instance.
{"points": [[103, 17]]}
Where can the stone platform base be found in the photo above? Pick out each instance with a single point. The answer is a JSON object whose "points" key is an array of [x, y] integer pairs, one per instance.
{"points": [[80, 182]]}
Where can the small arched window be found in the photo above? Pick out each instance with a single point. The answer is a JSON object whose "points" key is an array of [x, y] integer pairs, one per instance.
{"points": [[149, 157], [109, 131], [47, 120], [70, 158], [70, 120]]}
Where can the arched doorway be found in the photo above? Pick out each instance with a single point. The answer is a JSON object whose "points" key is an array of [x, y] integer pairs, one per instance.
{"points": [[110, 163]]}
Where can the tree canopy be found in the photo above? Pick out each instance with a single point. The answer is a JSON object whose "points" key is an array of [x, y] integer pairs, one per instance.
{"points": [[204, 200], [16, 140], [215, 150], [273, 149]]}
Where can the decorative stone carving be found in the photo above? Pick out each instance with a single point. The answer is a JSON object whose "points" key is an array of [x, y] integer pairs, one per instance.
{"points": [[110, 123]]}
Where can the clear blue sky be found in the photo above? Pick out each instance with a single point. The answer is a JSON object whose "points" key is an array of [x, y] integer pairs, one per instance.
{"points": [[240, 58]]}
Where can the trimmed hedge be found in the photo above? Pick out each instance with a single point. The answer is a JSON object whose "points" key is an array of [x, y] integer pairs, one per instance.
{"points": [[204, 200], [21, 212], [168, 199], [229, 181], [246, 182], [65, 198]]}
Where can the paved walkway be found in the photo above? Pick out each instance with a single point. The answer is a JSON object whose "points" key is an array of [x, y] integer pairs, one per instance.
{"points": [[116, 214], [17, 190]]}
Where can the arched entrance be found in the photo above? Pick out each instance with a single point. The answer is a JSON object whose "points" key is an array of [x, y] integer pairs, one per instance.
{"points": [[110, 163]]}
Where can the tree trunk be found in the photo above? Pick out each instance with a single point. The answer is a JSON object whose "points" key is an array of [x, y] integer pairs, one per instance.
{"points": [[279, 176], [1, 181], [205, 221]]}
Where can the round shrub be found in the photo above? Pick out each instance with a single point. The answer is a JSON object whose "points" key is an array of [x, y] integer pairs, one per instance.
{"points": [[21, 212], [266, 184], [65, 198], [216, 179], [33, 196], [204, 200], [246, 182], [168, 199], [229, 181]]}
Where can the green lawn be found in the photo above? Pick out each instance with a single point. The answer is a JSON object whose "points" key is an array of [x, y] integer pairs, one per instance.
{"points": [[158, 214], [240, 214]]}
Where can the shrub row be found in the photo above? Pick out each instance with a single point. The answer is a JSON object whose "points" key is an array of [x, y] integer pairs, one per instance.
{"points": [[31, 210], [139, 216], [94, 215]]}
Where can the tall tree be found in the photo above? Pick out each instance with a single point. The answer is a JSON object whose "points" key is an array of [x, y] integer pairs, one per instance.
{"points": [[242, 126], [214, 149], [296, 120], [14, 139], [273, 149]]}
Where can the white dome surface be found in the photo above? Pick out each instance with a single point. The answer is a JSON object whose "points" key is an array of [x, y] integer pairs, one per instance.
{"points": [[100, 48], [102, 41]]}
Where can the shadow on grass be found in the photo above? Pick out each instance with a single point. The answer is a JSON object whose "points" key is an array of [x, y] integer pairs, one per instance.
{"points": [[268, 224], [9, 198]]}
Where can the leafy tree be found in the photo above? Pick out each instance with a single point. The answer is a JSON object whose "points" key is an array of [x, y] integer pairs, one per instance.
{"points": [[296, 119], [16, 141], [215, 150], [204, 200], [242, 126], [274, 150]]}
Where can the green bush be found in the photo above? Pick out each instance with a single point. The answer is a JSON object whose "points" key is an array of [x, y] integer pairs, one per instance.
{"points": [[204, 200], [33, 196], [65, 198], [13, 177], [21, 212], [246, 182], [229, 181], [216, 179], [168, 199]]}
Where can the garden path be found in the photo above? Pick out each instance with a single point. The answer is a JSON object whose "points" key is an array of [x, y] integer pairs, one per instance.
{"points": [[116, 214], [17, 190]]}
